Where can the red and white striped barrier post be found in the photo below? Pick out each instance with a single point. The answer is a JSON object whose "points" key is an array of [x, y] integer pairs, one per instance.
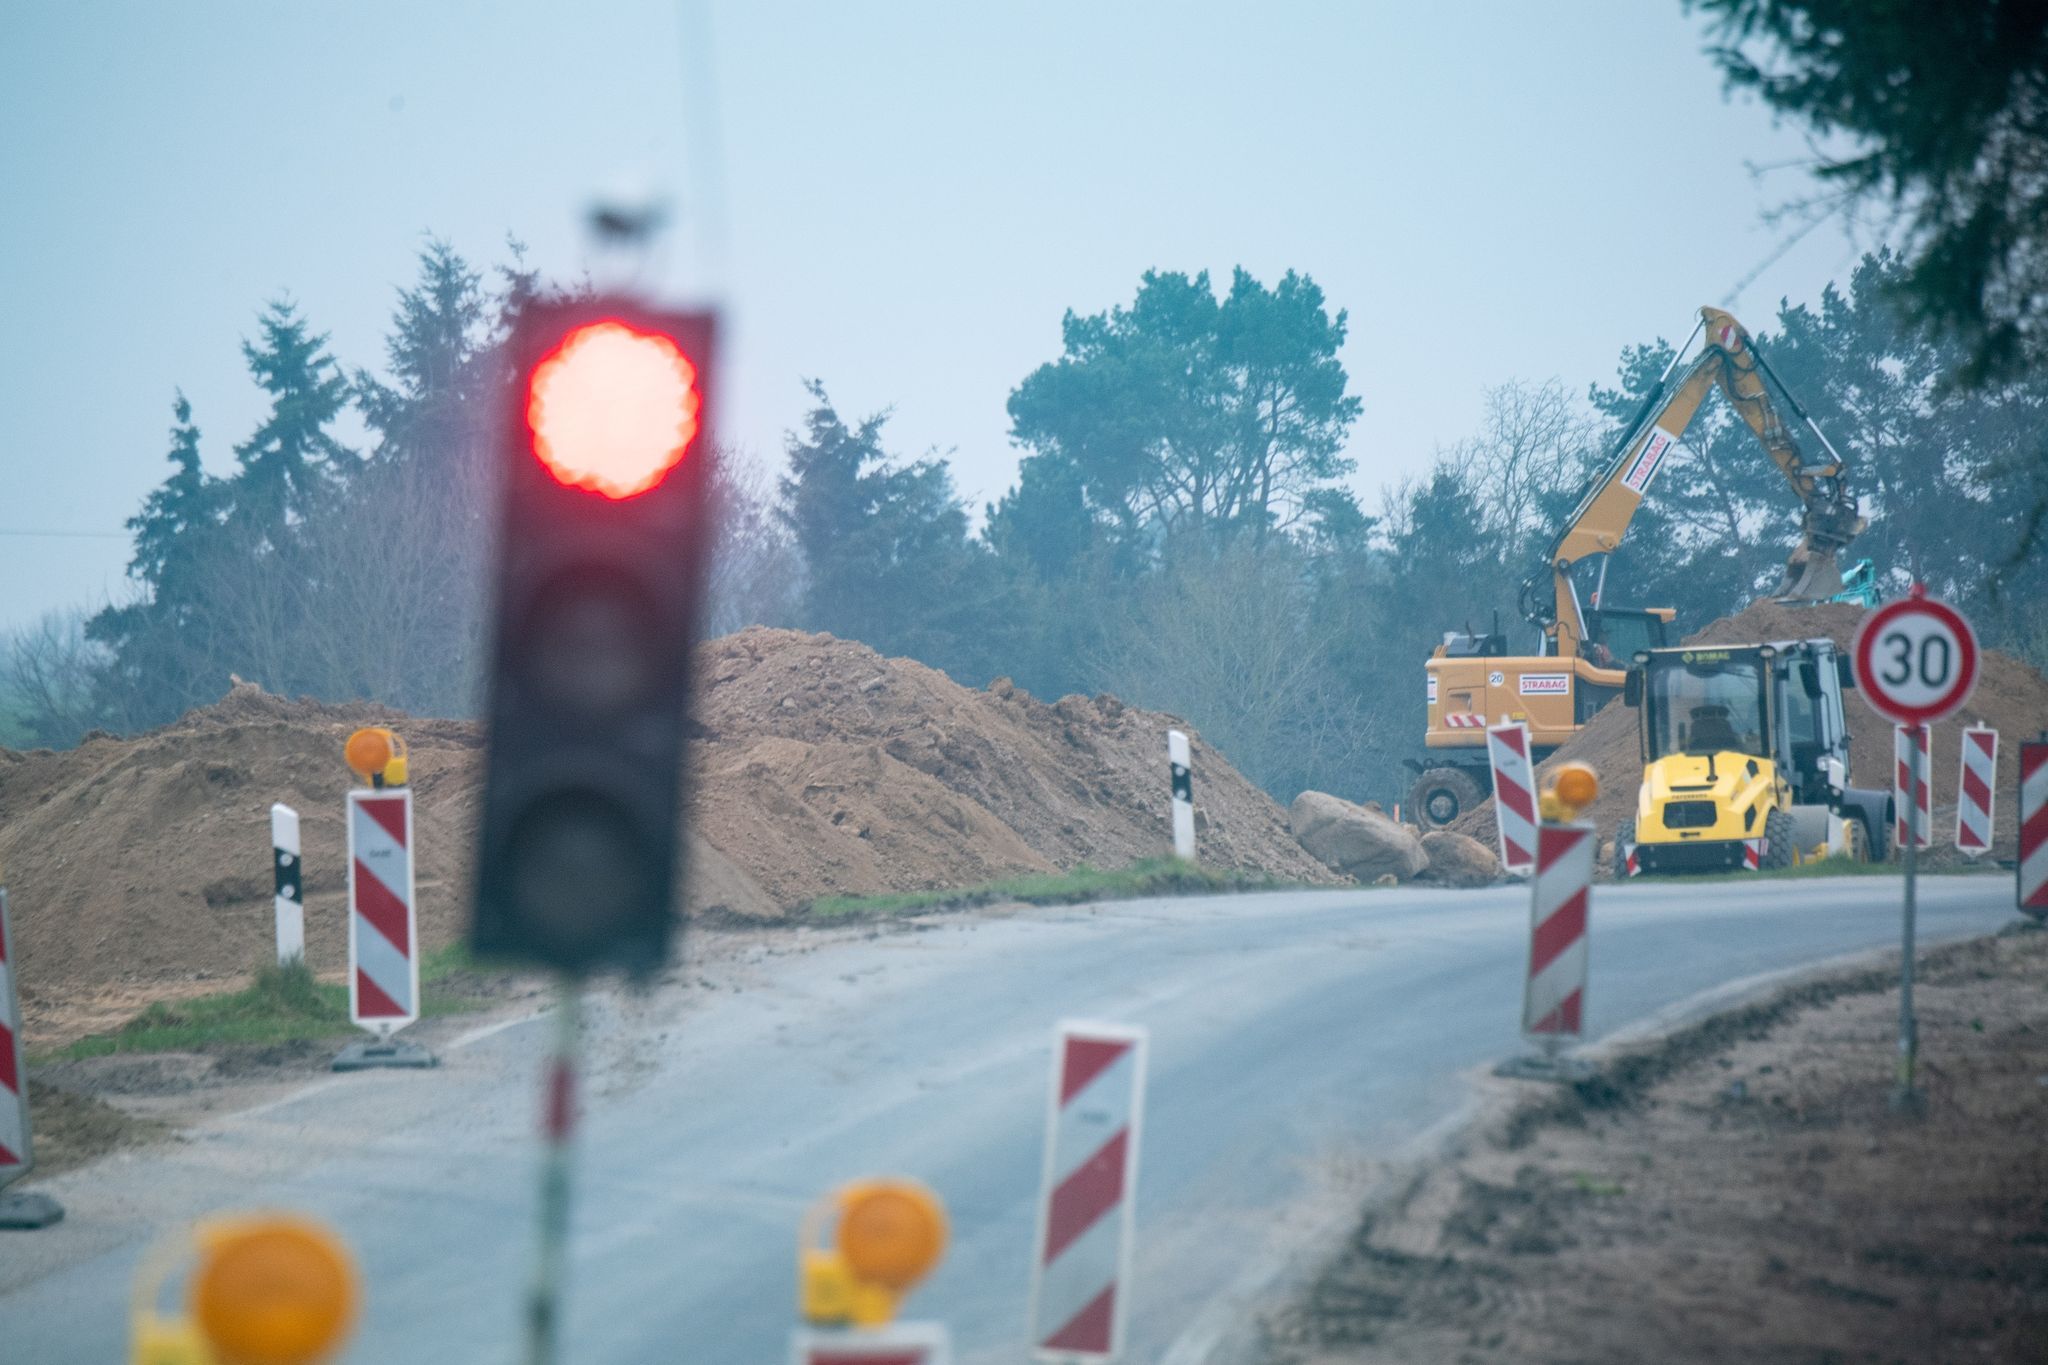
{"points": [[2033, 859], [383, 932], [1180, 771], [1976, 790], [17, 1140], [1514, 795], [1916, 777], [1082, 1269], [900, 1343], [1560, 903], [289, 898], [1554, 993]]}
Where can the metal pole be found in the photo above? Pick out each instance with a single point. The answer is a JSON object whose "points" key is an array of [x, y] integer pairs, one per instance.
{"points": [[558, 1124], [1909, 1041]]}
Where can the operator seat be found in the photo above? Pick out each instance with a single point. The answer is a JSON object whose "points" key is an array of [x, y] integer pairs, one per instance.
{"points": [[1711, 729]]}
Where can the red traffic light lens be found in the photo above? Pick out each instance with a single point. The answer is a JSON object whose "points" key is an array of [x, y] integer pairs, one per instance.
{"points": [[612, 409]]}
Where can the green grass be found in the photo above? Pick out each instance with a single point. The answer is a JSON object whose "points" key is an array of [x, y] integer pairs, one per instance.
{"points": [[282, 1005], [1149, 877]]}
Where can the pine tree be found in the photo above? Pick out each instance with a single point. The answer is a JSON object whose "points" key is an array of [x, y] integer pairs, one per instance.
{"points": [[157, 642], [290, 459]]}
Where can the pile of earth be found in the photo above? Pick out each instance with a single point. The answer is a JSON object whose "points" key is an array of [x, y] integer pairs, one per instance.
{"points": [[821, 768], [2011, 698]]}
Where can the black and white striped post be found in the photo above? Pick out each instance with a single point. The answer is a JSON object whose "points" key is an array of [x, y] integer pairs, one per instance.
{"points": [[1178, 764], [291, 884]]}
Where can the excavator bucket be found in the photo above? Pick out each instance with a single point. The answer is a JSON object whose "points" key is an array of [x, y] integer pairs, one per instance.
{"points": [[1811, 575]]}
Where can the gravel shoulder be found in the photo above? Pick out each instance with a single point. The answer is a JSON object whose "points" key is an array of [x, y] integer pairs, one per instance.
{"points": [[1738, 1190]]}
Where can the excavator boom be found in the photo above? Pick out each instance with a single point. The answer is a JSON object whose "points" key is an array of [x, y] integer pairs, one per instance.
{"points": [[1731, 361]]}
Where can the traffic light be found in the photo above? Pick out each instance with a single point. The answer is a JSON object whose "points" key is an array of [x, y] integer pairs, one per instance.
{"points": [[605, 454]]}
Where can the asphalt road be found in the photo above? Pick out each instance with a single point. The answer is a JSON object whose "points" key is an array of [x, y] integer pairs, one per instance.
{"points": [[1297, 1038]]}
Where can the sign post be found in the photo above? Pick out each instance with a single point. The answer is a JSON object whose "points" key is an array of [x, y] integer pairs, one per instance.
{"points": [[1916, 663], [1082, 1270]]}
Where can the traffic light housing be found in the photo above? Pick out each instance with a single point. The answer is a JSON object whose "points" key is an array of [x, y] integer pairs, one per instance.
{"points": [[605, 461]]}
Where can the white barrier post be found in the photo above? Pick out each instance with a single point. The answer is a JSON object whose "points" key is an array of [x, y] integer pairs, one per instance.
{"points": [[1086, 1211], [290, 896], [383, 932], [1977, 790], [1514, 795], [1179, 764], [17, 1141]]}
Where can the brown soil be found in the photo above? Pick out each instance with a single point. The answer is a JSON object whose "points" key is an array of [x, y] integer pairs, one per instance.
{"points": [[140, 865], [2011, 698], [1742, 1193], [72, 1129]]}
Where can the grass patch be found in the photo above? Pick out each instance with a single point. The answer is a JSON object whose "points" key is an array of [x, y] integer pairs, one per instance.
{"points": [[282, 1005], [1148, 877]]}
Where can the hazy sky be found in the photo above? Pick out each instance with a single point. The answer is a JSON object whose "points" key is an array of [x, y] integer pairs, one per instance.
{"points": [[907, 196]]}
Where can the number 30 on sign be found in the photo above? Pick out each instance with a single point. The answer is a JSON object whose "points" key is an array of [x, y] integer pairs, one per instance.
{"points": [[1916, 659]]}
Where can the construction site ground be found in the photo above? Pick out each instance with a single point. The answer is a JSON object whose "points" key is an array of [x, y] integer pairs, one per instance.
{"points": [[1741, 1190], [139, 868]]}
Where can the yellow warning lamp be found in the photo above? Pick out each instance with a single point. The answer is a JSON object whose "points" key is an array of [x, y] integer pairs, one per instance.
{"points": [[376, 755], [891, 1233], [273, 1289], [1574, 787]]}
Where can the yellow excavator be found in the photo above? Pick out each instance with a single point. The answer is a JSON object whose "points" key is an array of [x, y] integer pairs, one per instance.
{"points": [[1586, 643]]}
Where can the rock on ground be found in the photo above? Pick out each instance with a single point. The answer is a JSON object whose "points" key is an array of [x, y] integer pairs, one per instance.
{"points": [[1353, 840], [1457, 860]]}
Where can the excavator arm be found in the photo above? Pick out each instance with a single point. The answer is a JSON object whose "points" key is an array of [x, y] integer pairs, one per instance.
{"points": [[1731, 361]]}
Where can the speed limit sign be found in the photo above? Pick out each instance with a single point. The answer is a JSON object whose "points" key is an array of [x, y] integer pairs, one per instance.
{"points": [[1916, 659]]}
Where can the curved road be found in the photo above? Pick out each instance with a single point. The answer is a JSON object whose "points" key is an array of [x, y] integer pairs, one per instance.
{"points": [[1296, 1038]]}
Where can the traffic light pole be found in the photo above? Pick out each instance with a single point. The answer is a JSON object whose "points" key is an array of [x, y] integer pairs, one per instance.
{"points": [[558, 1125]]}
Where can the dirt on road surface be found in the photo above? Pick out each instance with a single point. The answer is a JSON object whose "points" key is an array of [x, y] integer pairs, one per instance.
{"points": [[1743, 1191], [140, 867]]}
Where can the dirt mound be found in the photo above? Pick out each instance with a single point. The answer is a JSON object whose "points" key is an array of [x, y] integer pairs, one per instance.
{"points": [[2011, 698], [822, 768]]}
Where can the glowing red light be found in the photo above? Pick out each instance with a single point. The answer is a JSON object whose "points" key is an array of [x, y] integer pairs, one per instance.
{"points": [[612, 409]]}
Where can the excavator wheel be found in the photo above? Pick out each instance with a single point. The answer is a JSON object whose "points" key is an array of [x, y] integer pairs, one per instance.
{"points": [[1781, 840], [1441, 795]]}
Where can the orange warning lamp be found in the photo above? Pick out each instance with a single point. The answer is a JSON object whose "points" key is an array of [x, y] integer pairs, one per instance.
{"points": [[274, 1289], [376, 755], [613, 408], [891, 1233], [1575, 787]]}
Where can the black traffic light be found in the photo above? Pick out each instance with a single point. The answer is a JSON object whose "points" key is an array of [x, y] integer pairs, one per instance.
{"points": [[606, 455]]}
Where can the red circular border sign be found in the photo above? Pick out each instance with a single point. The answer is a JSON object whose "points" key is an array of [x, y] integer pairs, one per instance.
{"points": [[1966, 676]]}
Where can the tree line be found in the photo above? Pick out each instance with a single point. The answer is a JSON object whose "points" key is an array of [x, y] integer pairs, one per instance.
{"points": [[1184, 529]]}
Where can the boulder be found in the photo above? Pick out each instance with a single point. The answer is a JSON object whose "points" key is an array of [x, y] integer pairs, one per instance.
{"points": [[1355, 841], [1456, 860]]}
